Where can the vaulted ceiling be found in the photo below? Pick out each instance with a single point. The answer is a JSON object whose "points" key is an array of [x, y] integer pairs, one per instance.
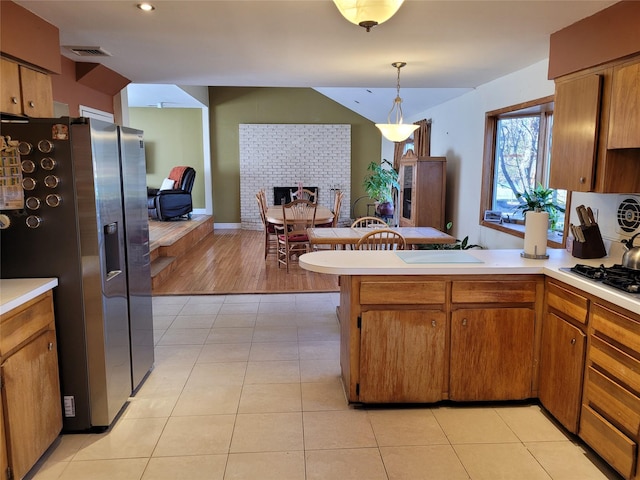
{"points": [[450, 46]]}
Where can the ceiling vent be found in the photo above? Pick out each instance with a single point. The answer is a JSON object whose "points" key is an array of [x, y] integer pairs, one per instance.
{"points": [[88, 51]]}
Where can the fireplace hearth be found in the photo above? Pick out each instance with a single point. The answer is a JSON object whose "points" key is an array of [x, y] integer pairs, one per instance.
{"points": [[282, 195]]}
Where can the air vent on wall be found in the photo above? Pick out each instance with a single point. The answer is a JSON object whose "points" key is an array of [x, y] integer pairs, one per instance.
{"points": [[88, 51], [628, 215]]}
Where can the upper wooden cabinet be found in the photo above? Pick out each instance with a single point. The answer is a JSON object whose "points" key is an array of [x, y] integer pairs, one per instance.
{"points": [[575, 132], [25, 91], [10, 92], [596, 130], [422, 191], [624, 124]]}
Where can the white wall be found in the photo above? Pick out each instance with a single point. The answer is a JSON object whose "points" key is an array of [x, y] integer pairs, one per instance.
{"points": [[457, 132]]}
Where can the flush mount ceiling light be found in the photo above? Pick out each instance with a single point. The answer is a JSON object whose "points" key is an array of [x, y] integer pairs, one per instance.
{"points": [[398, 131], [146, 7], [368, 13]]}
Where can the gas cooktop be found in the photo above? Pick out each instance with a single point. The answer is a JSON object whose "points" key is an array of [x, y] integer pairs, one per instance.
{"points": [[616, 276]]}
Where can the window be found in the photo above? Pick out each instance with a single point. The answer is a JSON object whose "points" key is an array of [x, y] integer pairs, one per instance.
{"points": [[516, 159]]}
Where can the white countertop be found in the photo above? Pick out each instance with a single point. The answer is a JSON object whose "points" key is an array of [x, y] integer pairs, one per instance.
{"points": [[492, 262], [18, 291]]}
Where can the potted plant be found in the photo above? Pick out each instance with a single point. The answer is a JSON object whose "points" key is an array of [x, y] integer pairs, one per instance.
{"points": [[540, 199], [379, 185]]}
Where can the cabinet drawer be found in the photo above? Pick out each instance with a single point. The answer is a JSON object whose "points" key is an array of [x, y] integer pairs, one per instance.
{"points": [[402, 293], [493, 292], [619, 328], [613, 401], [571, 304], [612, 445], [25, 321], [613, 360]]}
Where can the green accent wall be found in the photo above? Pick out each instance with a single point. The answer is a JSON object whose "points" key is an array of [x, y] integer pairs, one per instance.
{"points": [[172, 136], [231, 106]]}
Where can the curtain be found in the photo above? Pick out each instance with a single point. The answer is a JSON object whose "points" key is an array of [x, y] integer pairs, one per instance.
{"points": [[422, 138]]}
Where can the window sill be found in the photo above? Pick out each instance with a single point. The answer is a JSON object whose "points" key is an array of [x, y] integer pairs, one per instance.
{"points": [[554, 239]]}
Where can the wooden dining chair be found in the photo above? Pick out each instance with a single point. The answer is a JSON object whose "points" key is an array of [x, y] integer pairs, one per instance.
{"points": [[270, 238], [304, 194], [369, 222], [293, 240], [381, 239], [337, 205]]}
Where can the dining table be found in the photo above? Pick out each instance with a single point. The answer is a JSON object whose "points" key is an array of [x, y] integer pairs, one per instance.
{"points": [[344, 236], [274, 215]]}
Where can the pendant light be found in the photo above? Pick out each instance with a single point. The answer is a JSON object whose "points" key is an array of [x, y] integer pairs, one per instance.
{"points": [[398, 131], [368, 13]]}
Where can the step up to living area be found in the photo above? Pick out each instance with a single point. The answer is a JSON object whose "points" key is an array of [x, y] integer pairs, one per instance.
{"points": [[170, 240]]}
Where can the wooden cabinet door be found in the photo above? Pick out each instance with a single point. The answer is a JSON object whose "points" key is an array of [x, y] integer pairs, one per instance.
{"points": [[407, 192], [561, 370], [402, 356], [37, 93], [10, 88], [31, 401], [624, 122], [492, 353], [430, 186], [575, 133]]}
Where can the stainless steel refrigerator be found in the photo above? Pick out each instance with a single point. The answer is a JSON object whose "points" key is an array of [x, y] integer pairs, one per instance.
{"points": [[84, 220]]}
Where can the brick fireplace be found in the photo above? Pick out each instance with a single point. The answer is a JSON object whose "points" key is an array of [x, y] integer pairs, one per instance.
{"points": [[283, 155]]}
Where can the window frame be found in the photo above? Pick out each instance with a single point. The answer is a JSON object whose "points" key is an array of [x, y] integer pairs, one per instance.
{"points": [[539, 105]]}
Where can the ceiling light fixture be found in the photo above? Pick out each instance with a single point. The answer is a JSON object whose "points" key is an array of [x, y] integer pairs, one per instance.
{"points": [[146, 7], [398, 131], [368, 13]]}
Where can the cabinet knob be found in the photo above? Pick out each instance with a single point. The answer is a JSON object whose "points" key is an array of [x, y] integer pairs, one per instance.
{"points": [[433, 323], [14, 100], [583, 179], [50, 346], [464, 322], [573, 341], [32, 104]]}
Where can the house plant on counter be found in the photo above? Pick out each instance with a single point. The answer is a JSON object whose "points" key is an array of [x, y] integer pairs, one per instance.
{"points": [[540, 199], [379, 185]]}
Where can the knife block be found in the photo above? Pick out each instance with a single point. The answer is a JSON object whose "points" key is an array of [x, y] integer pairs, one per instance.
{"points": [[592, 247]]}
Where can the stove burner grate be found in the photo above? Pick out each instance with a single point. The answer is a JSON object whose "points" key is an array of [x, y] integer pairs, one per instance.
{"points": [[616, 276]]}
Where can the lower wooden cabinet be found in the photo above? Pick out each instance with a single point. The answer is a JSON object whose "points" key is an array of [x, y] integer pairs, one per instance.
{"points": [[492, 354], [610, 421], [402, 356], [3, 445], [561, 370], [426, 338], [562, 352], [31, 405]]}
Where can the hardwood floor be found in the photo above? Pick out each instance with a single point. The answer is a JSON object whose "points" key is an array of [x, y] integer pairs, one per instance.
{"points": [[232, 261]]}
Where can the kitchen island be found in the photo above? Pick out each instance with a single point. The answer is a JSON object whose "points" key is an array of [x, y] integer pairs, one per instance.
{"points": [[489, 325]]}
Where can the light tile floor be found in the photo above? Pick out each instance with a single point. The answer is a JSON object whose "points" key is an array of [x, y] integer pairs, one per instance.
{"points": [[247, 387]]}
